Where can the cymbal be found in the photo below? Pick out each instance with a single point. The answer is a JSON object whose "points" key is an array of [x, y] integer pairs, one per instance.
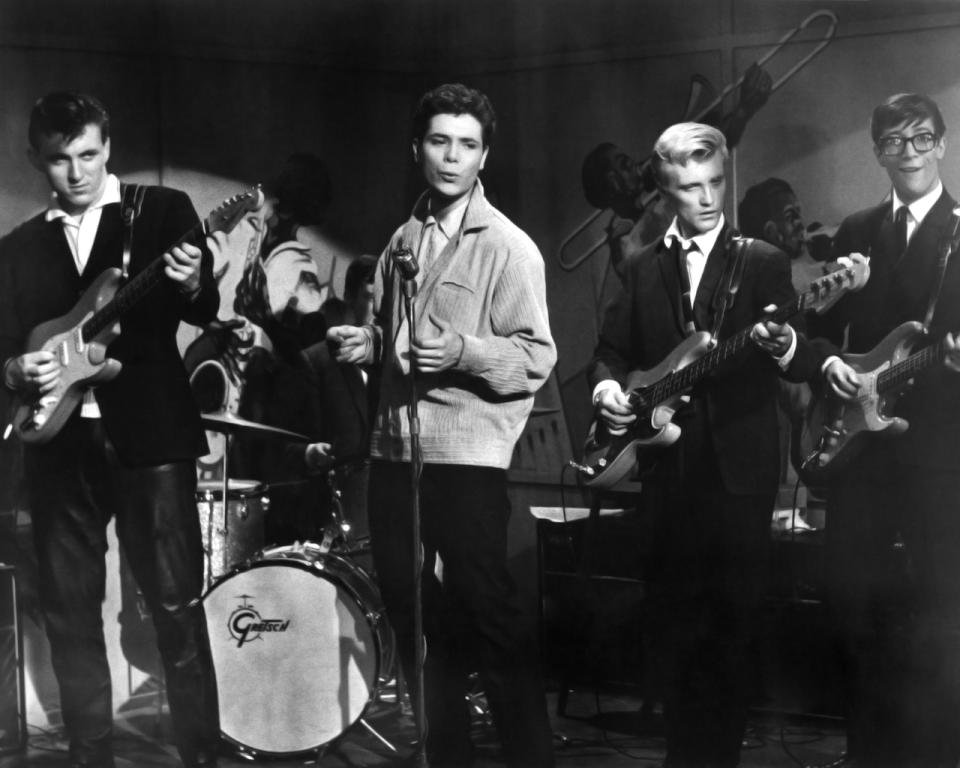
{"points": [[226, 423]]}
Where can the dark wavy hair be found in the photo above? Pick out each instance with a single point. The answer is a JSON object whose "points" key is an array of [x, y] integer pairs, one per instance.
{"points": [[905, 108], [66, 113], [454, 99]]}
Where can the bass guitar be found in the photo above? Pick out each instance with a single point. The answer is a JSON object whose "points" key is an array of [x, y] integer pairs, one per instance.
{"points": [[835, 429], [655, 394], [79, 339]]}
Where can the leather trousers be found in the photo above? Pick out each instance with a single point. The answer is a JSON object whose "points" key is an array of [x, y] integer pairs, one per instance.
{"points": [[76, 484]]}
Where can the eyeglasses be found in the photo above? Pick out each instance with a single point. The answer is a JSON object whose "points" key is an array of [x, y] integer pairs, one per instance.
{"points": [[894, 145]]}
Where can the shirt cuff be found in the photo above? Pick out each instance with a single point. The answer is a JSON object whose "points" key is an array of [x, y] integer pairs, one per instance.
{"points": [[602, 387], [828, 362], [787, 357]]}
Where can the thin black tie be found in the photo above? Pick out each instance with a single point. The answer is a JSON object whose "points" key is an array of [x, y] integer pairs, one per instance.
{"points": [[900, 227], [686, 299]]}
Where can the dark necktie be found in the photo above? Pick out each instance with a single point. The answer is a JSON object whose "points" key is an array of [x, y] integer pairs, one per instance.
{"points": [[687, 297], [900, 227]]}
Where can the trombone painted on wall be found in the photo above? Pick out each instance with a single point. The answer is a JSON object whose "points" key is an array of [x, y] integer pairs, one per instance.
{"points": [[649, 196]]}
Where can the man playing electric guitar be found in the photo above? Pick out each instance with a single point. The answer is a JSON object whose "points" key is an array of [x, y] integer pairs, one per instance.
{"points": [[711, 493], [893, 513], [129, 450]]}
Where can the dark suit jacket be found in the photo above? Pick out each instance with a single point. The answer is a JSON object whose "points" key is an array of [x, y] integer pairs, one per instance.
{"points": [[346, 402], [148, 410], [312, 394], [645, 323], [899, 290]]}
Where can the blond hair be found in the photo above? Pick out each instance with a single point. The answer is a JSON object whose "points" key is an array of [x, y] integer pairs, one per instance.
{"points": [[683, 142]]}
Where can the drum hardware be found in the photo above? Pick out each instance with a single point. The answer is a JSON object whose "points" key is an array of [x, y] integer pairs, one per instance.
{"points": [[228, 424], [300, 650], [231, 532]]}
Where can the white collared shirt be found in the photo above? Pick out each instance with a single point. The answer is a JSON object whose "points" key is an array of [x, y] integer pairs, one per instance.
{"points": [[696, 259], [81, 230], [439, 231], [918, 209]]}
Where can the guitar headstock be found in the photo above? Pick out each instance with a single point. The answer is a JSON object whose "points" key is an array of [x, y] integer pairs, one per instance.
{"points": [[846, 274], [232, 210]]}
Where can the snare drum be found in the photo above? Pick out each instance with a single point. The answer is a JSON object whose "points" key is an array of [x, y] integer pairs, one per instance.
{"points": [[232, 537], [300, 647]]}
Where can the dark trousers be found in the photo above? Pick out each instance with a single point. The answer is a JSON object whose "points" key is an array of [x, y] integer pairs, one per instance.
{"points": [[893, 558], [705, 569], [472, 619], [76, 485]]}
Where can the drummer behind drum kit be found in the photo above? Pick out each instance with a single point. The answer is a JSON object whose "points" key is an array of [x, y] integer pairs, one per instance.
{"points": [[298, 635]]}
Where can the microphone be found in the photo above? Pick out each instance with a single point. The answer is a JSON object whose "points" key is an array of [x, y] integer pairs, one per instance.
{"points": [[405, 262]]}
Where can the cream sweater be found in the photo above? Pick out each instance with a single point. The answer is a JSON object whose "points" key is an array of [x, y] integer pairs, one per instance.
{"points": [[488, 285]]}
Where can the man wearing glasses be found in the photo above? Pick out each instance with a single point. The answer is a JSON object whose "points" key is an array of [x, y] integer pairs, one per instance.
{"points": [[893, 515]]}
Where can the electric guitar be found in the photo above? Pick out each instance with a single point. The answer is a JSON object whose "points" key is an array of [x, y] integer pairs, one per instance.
{"points": [[835, 429], [655, 395], [79, 339]]}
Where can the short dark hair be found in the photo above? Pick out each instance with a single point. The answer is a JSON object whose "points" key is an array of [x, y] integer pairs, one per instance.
{"points": [[593, 174], [360, 271], [454, 99], [905, 108], [759, 205], [67, 113]]}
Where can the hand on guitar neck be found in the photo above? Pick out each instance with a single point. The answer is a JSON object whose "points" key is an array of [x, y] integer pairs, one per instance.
{"points": [[38, 373], [183, 267], [846, 382]]}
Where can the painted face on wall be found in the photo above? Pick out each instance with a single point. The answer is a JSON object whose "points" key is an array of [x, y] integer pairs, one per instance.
{"points": [[293, 282], [789, 232], [696, 192], [451, 155], [76, 169], [913, 172]]}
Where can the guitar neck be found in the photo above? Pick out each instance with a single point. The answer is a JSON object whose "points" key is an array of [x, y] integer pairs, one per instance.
{"points": [[685, 378], [134, 289], [900, 373]]}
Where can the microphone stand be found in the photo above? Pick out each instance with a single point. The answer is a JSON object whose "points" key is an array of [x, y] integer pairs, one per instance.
{"points": [[416, 466]]}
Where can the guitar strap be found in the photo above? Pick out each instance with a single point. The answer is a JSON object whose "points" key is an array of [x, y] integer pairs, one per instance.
{"points": [[131, 201], [732, 276], [946, 250]]}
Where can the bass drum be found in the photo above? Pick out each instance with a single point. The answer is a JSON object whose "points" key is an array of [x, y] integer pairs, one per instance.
{"points": [[300, 648]]}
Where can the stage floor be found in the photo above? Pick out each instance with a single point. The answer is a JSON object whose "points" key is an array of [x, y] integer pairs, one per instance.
{"points": [[603, 730]]}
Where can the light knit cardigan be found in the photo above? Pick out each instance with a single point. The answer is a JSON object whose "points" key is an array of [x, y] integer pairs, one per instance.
{"points": [[488, 286]]}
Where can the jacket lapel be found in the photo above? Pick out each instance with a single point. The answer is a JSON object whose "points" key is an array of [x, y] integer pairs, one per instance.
{"points": [[667, 263], [704, 306]]}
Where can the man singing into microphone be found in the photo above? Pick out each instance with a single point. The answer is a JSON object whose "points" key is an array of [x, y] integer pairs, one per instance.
{"points": [[482, 347]]}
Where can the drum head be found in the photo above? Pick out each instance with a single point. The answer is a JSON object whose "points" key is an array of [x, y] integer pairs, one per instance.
{"points": [[294, 654]]}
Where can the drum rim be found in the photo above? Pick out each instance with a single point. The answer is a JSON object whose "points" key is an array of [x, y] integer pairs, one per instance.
{"points": [[214, 488]]}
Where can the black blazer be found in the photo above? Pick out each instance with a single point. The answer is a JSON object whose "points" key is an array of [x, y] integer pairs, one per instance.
{"points": [[899, 290], [645, 323], [148, 410]]}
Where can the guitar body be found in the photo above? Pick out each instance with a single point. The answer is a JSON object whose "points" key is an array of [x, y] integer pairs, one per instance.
{"points": [[609, 459], [81, 363], [835, 429]]}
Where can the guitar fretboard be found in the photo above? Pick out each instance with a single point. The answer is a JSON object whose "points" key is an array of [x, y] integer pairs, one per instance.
{"points": [[134, 290], [687, 377], [902, 372]]}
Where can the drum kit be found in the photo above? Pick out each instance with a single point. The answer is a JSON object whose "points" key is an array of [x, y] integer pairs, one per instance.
{"points": [[298, 635]]}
